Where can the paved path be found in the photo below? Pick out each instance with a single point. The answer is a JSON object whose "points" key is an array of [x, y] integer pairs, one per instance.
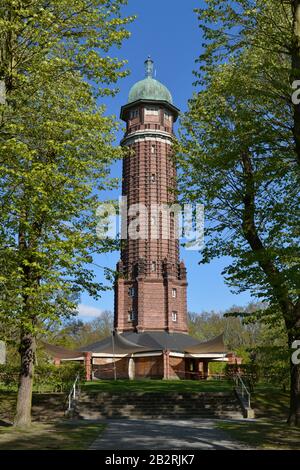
{"points": [[164, 434]]}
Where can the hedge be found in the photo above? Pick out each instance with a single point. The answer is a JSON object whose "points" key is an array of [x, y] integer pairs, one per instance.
{"points": [[46, 377]]}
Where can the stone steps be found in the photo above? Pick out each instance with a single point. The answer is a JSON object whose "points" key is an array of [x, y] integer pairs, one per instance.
{"points": [[48, 406], [158, 406]]}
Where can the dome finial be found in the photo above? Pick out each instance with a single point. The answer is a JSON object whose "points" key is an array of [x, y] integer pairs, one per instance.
{"points": [[149, 67]]}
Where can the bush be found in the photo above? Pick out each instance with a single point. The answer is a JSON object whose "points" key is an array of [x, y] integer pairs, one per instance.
{"points": [[46, 378], [217, 368], [9, 376], [58, 379], [248, 372]]}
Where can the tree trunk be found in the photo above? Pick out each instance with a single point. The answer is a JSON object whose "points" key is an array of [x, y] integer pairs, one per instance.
{"points": [[27, 352], [276, 279], [295, 70], [294, 414]]}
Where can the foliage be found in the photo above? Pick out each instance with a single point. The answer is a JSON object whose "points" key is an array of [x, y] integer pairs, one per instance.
{"points": [[56, 37], [75, 333], [271, 355], [55, 153], [263, 347], [59, 378], [9, 376], [240, 152], [217, 368], [47, 376], [238, 336], [247, 371]]}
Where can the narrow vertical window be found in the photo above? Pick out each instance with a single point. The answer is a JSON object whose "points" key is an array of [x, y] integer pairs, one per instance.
{"points": [[131, 316], [134, 113], [131, 292]]}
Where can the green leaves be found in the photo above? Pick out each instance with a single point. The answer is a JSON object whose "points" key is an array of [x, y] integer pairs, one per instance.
{"points": [[237, 148], [55, 151]]}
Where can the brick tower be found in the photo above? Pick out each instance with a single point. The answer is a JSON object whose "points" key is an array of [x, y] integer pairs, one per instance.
{"points": [[150, 290]]}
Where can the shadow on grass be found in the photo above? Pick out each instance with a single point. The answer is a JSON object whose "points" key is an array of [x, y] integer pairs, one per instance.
{"points": [[271, 402], [266, 435], [5, 424], [45, 406], [69, 435]]}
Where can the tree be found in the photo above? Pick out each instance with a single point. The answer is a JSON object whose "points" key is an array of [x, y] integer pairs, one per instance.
{"points": [[240, 336], [239, 153], [75, 333], [259, 339], [55, 152]]}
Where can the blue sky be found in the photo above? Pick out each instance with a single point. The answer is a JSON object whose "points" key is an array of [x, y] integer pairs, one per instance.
{"points": [[168, 31]]}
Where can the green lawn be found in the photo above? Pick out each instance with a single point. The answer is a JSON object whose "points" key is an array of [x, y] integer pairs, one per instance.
{"points": [[270, 401], [60, 435], [267, 434], [164, 386], [269, 430], [69, 435]]}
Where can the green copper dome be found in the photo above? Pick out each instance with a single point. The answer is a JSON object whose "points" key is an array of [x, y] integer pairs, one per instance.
{"points": [[149, 88]]}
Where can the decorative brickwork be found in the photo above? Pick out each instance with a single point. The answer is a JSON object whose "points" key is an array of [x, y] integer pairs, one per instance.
{"points": [[150, 292]]}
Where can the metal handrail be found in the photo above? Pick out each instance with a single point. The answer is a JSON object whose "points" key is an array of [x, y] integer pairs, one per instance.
{"points": [[244, 390], [73, 393]]}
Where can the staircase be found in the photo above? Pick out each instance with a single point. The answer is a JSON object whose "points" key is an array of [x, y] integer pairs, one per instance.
{"points": [[48, 406], [158, 405]]}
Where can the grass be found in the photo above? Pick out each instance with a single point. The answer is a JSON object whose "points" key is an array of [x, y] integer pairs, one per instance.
{"points": [[59, 435], [46, 407], [157, 386], [269, 401], [263, 434], [269, 430], [70, 435]]}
